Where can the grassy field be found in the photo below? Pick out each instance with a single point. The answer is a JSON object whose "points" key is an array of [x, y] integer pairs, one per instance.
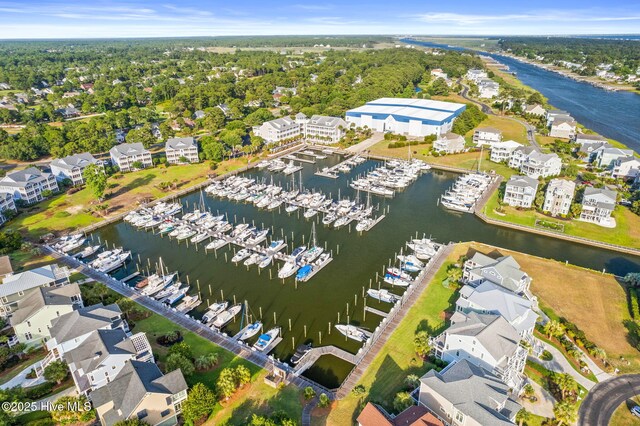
{"points": [[68, 212], [626, 233], [397, 358], [511, 129], [623, 416]]}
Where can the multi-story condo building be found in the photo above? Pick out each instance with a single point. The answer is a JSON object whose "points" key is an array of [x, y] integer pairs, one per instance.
{"points": [[7, 203], [178, 149], [558, 197], [322, 128], [278, 130], [598, 205], [520, 191], [488, 88], [563, 128], [502, 151], [487, 136], [537, 164], [476, 75], [71, 167], [503, 271], [127, 154], [606, 156], [28, 184]]}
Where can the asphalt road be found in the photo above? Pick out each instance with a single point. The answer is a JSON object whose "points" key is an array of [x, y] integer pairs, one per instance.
{"points": [[606, 397]]}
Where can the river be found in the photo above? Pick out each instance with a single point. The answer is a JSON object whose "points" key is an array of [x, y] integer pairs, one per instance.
{"points": [[615, 115]]}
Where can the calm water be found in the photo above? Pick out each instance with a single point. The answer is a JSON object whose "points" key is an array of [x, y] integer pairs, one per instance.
{"points": [[612, 114], [316, 303]]}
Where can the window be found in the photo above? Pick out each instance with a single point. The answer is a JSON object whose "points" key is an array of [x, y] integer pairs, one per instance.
{"points": [[142, 414], [459, 417], [28, 323], [165, 413], [28, 336]]}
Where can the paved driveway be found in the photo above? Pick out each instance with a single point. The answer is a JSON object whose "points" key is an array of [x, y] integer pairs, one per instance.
{"points": [[367, 143], [606, 397]]}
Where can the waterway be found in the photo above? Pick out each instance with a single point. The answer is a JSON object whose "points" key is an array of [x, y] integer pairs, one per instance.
{"points": [[313, 305], [615, 115]]}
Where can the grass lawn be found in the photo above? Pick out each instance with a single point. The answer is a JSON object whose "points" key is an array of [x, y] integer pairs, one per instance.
{"points": [[9, 374], [626, 233], [623, 416], [397, 358], [27, 259], [556, 344], [69, 212], [511, 129]]}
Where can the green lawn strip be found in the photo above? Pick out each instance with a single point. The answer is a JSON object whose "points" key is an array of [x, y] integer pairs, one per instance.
{"points": [[572, 361], [540, 374], [7, 375]]}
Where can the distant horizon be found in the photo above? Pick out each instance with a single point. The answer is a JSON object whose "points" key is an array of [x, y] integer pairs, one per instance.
{"points": [[77, 19]]}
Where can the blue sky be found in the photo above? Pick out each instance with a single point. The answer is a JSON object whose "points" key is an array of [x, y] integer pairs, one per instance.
{"points": [[144, 18]]}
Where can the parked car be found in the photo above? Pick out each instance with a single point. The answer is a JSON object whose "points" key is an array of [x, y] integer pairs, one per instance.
{"points": [[636, 411]]}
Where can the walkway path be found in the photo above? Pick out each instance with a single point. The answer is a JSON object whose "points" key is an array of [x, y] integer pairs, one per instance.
{"points": [[306, 411], [560, 364], [366, 144], [543, 406], [600, 374], [21, 379]]}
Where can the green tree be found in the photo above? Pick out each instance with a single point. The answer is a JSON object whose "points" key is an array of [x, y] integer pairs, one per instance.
{"points": [[402, 401], [243, 375], [177, 361], [439, 88], [553, 328], [56, 371], [96, 180], [412, 381], [529, 391], [212, 149], [309, 393], [323, 400], [69, 414], [421, 343], [632, 279], [205, 362], [200, 403], [182, 348], [565, 413], [226, 383], [522, 416], [566, 383], [454, 273]]}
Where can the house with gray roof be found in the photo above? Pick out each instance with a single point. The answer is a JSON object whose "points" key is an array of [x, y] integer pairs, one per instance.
{"points": [[279, 129], [563, 127], [141, 391], [35, 312], [487, 136], [101, 356], [554, 114], [598, 205], [583, 138], [465, 394], [321, 128], [520, 191], [519, 155], [28, 184], [607, 156], [486, 340], [503, 271], [15, 286], [558, 197], [72, 166], [535, 109], [589, 150], [627, 168], [449, 143], [179, 149], [536, 164], [126, 155]]}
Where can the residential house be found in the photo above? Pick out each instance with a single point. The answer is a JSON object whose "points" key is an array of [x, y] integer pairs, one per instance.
{"points": [[140, 391], [489, 298], [102, 355], [488, 88], [558, 197], [28, 184], [520, 191], [563, 128], [127, 154], [598, 205], [35, 312], [519, 155], [583, 138], [321, 128], [487, 136], [626, 168], [503, 271], [449, 143], [278, 130], [502, 151], [199, 114], [554, 114], [486, 340], [6, 203], [465, 394], [438, 73], [589, 150], [69, 111], [415, 415], [607, 156], [537, 164], [14, 287], [535, 109], [178, 149], [476, 75], [71, 167], [226, 110]]}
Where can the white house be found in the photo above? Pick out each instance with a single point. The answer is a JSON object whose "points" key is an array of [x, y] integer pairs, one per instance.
{"points": [[606, 157], [583, 138], [502, 151], [487, 136], [449, 143], [554, 114], [438, 73], [486, 340], [503, 271], [28, 184], [537, 164], [6, 203], [71, 167], [588, 151], [558, 197], [15, 286], [476, 75], [488, 88], [278, 130], [626, 168], [467, 395], [125, 155], [563, 128], [535, 109], [520, 191], [322, 128], [35, 312], [179, 148], [598, 205]]}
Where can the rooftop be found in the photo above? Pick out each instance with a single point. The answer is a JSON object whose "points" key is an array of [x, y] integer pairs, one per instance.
{"points": [[32, 278], [72, 161], [44, 296], [83, 321]]}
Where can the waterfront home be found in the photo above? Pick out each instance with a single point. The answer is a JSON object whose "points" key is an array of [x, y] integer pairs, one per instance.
{"points": [[321, 128], [415, 415], [102, 355], [537, 164], [449, 143], [486, 340], [15, 286], [558, 197], [487, 136], [520, 191], [28, 185], [125, 155], [476, 75], [554, 114], [178, 150], [598, 205], [465, 394], [140, 391], [7, 203], [583, 138], [72, 166], [535, 109], [626, 168], [518, 156], [489, 298], [589, 150], [488, 88], [32, 318], [438, 73], [502, 151], [563, 128], [278, 130], [606, 157], [503, 271]]}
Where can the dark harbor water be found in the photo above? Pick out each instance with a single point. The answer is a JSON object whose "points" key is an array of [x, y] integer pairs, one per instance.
{"points": [[317, 303], [615, 115]]}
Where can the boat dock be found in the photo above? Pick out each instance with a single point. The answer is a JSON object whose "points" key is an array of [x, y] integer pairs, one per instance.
{"points": [[316, 269], [302, 160], [375, 222], [334, 171], [130, 277], [315, 353], [376, 311], [271, 345]]}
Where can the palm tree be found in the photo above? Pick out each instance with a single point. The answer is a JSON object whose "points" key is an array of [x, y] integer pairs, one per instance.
{"points": [[553, 328], [566, 383], [421, 343], [565, 413], [599, 353], [522, 416]]}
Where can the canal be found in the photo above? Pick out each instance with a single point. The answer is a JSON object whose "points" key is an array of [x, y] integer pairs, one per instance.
{"points": [[313, 305], [615, 115]]}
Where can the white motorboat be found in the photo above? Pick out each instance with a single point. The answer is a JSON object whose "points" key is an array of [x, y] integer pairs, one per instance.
{"points": [[175, 296], [396, 281], [186, 234], [329, 218], [397, 272], [364, 224], [311, 254], [341, 221], [114, 262], [188, 304], [353, 332], [216, 244], [213, 311], [156, 283], [411, 259], [253, 259], [200, 237], [291, 208], [266, 339], [265, 261], [288, 269], [241, 255], [166, 292], [309, 213], [251, 330], [383, 295], [226, 316], [88, 251], [276, 246]]}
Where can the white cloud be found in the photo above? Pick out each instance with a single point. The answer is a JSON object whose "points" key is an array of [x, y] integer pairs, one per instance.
{"points": [[531, 17]]}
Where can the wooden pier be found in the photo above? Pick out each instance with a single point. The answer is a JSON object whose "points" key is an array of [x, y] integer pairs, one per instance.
{"points": [[376, 311], [302, 160], [315, 270], [315, 353], [130, 277]]}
